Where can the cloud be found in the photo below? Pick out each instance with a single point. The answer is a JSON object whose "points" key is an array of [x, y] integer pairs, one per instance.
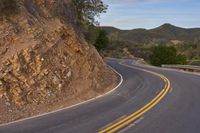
{"points": [[128, 14]]}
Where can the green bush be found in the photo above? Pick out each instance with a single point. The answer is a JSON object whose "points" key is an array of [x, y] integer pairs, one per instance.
{"points": [[92, 34], [163, 54], [97, 37], [102, 41], [8, 7]]}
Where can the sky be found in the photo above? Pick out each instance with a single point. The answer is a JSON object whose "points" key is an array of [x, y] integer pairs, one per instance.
{"points": [[131, 14]]}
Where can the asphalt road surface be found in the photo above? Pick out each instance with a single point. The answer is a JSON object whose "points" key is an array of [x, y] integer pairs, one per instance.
{"points": [[149, 100]]}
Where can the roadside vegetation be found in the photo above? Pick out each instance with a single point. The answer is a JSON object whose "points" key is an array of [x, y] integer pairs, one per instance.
{"points": [[102, 41], [163, 54], [97, 37]]}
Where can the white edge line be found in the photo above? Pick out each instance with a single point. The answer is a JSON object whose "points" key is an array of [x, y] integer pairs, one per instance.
{"points": [[81, 103]]}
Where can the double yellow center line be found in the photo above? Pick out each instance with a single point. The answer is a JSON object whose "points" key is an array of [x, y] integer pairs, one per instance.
{"points": [[132, 117]]}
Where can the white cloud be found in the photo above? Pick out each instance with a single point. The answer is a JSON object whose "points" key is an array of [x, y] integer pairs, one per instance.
{"points": [[128, 14]]}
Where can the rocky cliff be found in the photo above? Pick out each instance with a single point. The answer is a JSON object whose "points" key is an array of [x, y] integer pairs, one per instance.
{"points": [[44, 60]]}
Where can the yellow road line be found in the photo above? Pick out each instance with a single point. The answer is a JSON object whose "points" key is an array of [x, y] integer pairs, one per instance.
{"points": [[128, 117], [127, 120], [140, 114]]}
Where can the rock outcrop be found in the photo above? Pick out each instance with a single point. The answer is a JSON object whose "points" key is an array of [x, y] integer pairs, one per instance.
{"points": [[44, 60]]}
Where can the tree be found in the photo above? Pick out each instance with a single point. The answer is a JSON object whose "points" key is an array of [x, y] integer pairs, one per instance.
{"points": [[101, 41], [163, 54], [92, 34], [87, 10]]}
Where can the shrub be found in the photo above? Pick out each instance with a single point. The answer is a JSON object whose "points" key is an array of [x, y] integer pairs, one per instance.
{"points": [[102, 41], [163, 54]]}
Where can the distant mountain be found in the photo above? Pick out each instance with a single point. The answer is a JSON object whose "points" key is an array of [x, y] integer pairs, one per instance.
{"points": [[139, 42], [166, 32]]}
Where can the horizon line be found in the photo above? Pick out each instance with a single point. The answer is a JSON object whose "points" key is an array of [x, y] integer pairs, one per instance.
{"points": [[149, 28]]}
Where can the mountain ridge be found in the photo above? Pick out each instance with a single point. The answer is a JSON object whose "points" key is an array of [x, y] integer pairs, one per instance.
{"points": [[165, 32], [163, 25]]}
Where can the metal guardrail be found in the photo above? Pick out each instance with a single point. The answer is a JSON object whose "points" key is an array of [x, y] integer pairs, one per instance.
{"points": [[185, 67]]}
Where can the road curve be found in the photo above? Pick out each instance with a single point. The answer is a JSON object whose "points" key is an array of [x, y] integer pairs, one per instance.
{"points": [[164, 106]]}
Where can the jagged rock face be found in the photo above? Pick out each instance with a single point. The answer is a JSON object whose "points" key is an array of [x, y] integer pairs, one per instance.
{"points": [[43, 57]]}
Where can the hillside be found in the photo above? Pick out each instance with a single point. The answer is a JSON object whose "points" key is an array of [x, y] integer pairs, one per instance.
{"points": [[166, 32], [140, 41], [45, 62]]}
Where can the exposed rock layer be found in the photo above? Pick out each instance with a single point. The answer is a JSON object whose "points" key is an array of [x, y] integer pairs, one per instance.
{"points": [[45, 60]]}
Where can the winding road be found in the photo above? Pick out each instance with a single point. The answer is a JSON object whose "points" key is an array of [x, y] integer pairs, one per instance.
{"points": [[149, 100]]}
